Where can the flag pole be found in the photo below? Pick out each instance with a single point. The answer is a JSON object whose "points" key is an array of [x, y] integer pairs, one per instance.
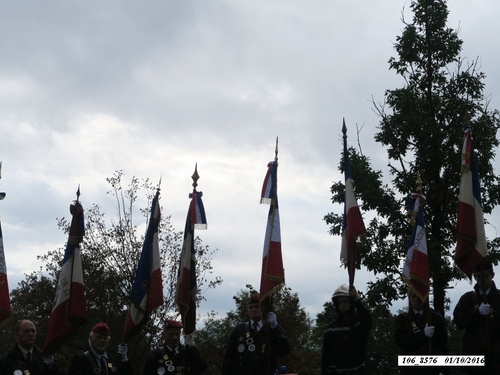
{"points": [[5, 306]]}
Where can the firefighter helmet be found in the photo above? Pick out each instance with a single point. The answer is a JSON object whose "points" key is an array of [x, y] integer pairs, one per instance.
{"points": [[341, 291]]}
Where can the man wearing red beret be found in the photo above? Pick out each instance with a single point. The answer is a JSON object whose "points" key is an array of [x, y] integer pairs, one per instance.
{"points": [[174, 357], [96, 360]]}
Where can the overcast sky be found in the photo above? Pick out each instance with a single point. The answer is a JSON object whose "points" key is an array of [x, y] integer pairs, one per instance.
{"points": [[153, 87]]}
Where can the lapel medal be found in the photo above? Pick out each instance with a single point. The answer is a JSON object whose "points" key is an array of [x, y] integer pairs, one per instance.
{"points": [[161, 371]]}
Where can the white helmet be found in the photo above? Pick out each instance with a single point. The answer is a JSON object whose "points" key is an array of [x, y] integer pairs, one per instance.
{"points": [[341, 291]]}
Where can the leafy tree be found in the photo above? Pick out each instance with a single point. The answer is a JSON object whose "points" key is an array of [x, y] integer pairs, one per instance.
{"points": [[304, 357], [110, 255], [422, 127]]}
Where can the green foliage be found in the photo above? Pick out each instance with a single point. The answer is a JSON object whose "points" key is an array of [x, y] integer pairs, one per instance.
{"points": [[110, 254], [422, 127]]}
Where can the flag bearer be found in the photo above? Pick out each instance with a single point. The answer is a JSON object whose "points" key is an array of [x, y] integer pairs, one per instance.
{"points": [[345, 339], [253, 344], [421, 331], [174, 357], [478, 313]]}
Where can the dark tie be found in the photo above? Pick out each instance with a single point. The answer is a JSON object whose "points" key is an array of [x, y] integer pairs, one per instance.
{"points": [[103, 366], [418, 318], [28, 359], [255, 327]]}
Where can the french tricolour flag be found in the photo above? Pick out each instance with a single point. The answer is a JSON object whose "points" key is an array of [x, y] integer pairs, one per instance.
{"points": [[352, 225], [187, 286], [147, 290], [416, 266], [69, 313], [471, 238], [273, 273]]}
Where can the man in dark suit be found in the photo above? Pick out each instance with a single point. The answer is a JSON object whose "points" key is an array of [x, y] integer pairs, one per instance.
{"points": [[97, 360], [25, 357], [174, 357], [255, 346]]}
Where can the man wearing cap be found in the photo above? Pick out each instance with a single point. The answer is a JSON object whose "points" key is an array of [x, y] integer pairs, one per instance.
{"points": [[253, 344], [174, 357], [97, 360], [345, 339], [25, 357], [478, 313]]}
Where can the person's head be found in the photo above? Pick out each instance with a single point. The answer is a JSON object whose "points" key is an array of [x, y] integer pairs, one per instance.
{"points": [[99, 337], [415, 302], [483, 273], [253, 308], [342, 300], [25, 333], [172, 333]]}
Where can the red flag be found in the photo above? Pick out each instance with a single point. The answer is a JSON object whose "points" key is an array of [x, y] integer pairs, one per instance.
{"points": [[187, 288], [471, 238], [273, 274], [352, 225], [147, 290], [69, 313], [5, 309]]}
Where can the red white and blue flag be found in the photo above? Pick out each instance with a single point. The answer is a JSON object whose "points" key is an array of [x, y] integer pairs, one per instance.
{"points": [[352, 224], [471, 238], [69, 313], [187, 287], [147, 289], [273, 274], [5, 308], [416, 266]]}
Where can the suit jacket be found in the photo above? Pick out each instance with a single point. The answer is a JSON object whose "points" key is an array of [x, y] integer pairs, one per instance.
{"points": [[13, 360], [248, 352], [86, 364]]}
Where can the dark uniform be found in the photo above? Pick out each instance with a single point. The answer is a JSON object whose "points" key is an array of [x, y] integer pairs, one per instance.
{"points": [[14, 362], [410, 338], [482, 333], [88, 364], [168, 361], [96, 360], [345, 339], [248, 351]]}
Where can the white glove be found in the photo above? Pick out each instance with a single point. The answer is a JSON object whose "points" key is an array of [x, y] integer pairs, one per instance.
{"points": [[188, 340], [271, 318], [429, 330], [48, 360], [122, 351], [484, 309]]}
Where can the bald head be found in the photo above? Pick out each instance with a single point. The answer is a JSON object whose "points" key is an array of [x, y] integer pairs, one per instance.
{"points": [[25, 333]]}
